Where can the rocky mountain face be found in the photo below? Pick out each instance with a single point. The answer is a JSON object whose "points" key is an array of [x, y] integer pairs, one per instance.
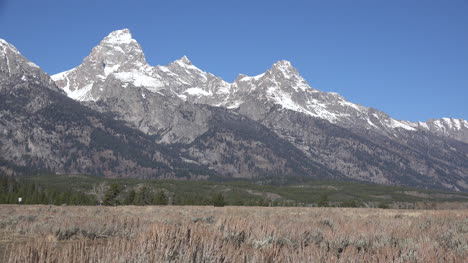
{"points": [[273, 125], [447, 127], [44, 130], [15, 68]]}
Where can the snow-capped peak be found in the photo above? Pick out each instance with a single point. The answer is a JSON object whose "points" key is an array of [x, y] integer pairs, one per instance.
{"points": [[118, 48], [283, 65], [284, 69], [185, 64], [123, 36], [117, 54], [184, 60]]}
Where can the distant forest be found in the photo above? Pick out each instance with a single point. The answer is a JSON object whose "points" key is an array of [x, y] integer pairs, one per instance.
{"points": [[30, 192], [93, 190]]}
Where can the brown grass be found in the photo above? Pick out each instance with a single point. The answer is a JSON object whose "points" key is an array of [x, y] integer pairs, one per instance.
{"points": [[230, 234]]}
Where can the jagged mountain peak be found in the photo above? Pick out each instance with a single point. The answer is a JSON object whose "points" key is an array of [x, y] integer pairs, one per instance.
{"points": [[281, 69], [284, 67], [184, 60], [118, 48], [283, 63], [122, 36], [12, 58], [117, 53], [183, 63], [186, 73], [14, 68]]}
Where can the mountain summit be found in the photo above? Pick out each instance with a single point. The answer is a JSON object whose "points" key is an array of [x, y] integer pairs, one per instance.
{"points": [[117, 52], [16, 68], [122, 36]]}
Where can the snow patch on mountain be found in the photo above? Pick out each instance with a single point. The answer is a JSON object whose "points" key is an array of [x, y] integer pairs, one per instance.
{"points": [[284, 99], [423, 125], [73, 93], [79, 94], [110, 69], [243, 77], [399, 124], [197, 92], [61, 75], [139, 79], [31, 64], [447, 124]]}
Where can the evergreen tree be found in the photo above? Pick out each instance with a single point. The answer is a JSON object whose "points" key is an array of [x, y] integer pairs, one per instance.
{"points": [[143, 196], [160, 198], [110, 198], [218, 200], [130, 199], [323, 201]]}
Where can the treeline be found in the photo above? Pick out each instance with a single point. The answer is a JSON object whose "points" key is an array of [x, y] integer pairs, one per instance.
{"points": [[13, 188], [114, 194], [30, 192], [84, 190], [117, 194]]}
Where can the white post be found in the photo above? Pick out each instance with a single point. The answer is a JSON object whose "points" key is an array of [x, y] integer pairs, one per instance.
{"points": [[19, 200]]}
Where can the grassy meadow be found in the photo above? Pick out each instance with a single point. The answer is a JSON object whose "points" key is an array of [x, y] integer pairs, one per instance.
{"points": [[43, 233]]}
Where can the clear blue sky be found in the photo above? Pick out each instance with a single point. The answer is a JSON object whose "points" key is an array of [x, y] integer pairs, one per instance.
{"points": [[408, 58]]}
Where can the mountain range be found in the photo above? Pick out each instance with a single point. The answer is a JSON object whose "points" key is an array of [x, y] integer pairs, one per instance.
{"points": [[117, 116]]}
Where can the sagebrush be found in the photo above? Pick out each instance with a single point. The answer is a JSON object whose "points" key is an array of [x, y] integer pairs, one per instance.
{"points": [[231, 234]]}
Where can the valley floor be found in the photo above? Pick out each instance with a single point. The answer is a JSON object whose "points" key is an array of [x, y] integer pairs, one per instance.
{"points": [[42, 233]]}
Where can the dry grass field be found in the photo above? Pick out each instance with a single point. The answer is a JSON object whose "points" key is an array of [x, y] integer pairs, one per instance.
{"points": [[40, 233]]}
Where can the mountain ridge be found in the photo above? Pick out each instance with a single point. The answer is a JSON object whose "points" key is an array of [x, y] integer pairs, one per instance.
{"points": [[188, 82], [273, 125], [44, 130]]}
